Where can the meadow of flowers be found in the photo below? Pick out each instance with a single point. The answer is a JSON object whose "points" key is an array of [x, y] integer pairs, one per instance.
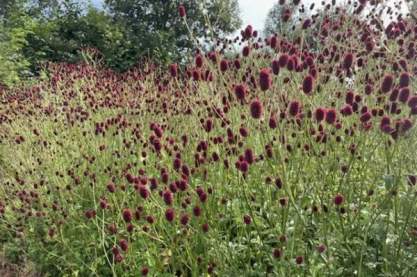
{"points": [[286, 159]]}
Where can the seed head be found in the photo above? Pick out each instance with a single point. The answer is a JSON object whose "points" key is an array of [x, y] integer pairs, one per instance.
{"points": [[173, 70], [265, 80], [294, 108], [308, 84], [331, 116], [247, 219], [338, 199], [387, 83], [348, 61], [127, 215], [181, 10], [404, 79], [170, 214], [256, 109], [320, 114], [240, 92]]}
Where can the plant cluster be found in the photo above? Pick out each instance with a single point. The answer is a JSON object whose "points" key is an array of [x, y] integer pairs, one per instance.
{"points": [[282, 160]]}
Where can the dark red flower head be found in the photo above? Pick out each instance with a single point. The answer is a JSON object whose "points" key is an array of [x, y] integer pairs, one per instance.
{"points": [[294, 108], [249, 156], [365, 117], [168, 197], [256, 109], [247, 219], [412, 180], [404, 95], [308, 84], [277, 253], [205, 227], [181, 10], [224, 65], [272, 122], [127, 215], [338, 199], [387, 83], [283, 60], [265, 80], [321, 248], [240, 92], [243, 166], [348, 61], [273, 42], [123, 244], [184, 219], [346, 110], [412, 102], [144, 271], [198, 61], [368, 89], [306, 23], [405, 125], [196, 75], [143, 191], [331, 116], [385, 124], [299, 260], [275, 67], [111, 187], [404, 79], [246, 51], [350, 97], [90, 214], [118, 258], [248, 32], [197, 211], [320, 114], [170, 214]]}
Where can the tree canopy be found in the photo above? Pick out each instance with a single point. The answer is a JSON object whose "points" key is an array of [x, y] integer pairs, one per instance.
{"points": [[281, 19], [123, 31], [162, 32]]}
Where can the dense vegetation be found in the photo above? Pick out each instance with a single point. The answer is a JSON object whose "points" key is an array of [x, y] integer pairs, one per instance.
{"points": [[125, 33], [294, 157]]}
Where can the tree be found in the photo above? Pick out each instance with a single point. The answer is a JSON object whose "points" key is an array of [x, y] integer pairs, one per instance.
{"points": [[65, 27], [124, 33], [15, 26], [154, 29], [6, 7], [412, 8], [281, 19]]}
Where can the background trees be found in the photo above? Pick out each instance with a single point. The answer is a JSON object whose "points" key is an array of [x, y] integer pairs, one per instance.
{"points": [[281, 19], [124, 31], [160, 32]]}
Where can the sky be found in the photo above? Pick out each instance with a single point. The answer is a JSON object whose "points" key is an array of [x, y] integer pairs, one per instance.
{"points": [[254, 12]]}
